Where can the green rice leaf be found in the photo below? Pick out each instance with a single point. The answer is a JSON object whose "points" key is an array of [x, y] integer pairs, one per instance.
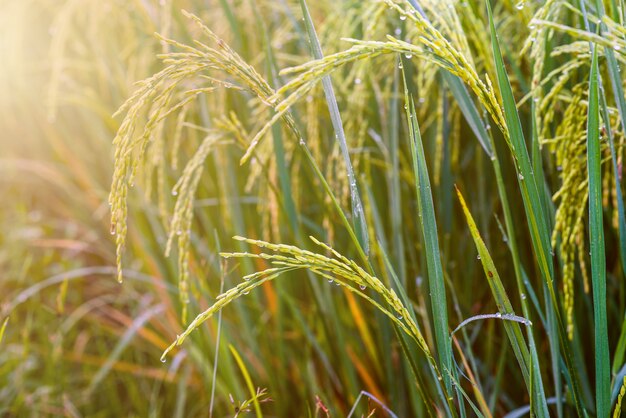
{"points": [[596, 238], [535, 215], [431, 242], [358, 215], [512, 328]]}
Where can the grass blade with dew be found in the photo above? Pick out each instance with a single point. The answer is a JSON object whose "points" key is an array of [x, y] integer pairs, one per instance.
{"points": [[618, 357], [472, 116], [395, 196], [537, 224], [358, 215], [431, 243], [620, 101], [530, 369], [596, 238]]}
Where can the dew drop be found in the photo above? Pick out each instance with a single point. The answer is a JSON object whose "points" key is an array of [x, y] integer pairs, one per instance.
{"points": [[523, 295], [520, 5], [330, 280], [402, 17], [362, 287], [399, 317], [520, 176], [408, 56], [478, 257], [357, 81], [174, 192], [498, 315]]}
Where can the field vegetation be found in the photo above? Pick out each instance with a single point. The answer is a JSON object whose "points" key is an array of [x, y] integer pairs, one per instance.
{"points": [[391, 208]]}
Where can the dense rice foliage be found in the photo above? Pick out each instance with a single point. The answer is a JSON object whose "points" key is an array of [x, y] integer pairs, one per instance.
{"points": [[424, 195]]}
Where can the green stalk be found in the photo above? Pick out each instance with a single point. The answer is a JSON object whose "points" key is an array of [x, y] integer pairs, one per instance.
{"points": [[528, 364], [532, 202], [596, 238], [358, 215], [431, 246]]}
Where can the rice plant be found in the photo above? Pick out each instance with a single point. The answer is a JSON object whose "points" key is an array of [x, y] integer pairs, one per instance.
{"points": [[380, 208]]}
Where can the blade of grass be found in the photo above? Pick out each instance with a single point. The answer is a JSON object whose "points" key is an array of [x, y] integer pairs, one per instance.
{"points": [[395, 197], [618, 357], [248, 380], [551, 324], [529, 366], [431, 241], [358, 215], [596, 238], [532, 203], [620, 101]]}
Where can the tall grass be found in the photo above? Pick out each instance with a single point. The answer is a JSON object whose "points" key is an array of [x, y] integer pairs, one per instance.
{"points": [[327, 138]]}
